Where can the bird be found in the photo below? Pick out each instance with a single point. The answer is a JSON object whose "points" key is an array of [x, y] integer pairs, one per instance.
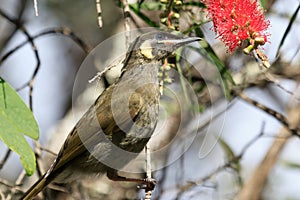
{"points": [[118, 125]]}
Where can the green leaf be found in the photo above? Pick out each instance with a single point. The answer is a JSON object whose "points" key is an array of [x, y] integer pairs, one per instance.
{"points": [[263, 4], [16, 119], [230, 155], [292, 165], [288, 29]]}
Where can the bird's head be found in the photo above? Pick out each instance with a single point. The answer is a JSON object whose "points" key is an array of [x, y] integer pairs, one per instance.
{"points": [[158, 45]]}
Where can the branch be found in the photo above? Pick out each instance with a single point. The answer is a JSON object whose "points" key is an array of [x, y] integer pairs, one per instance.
{"points": [[255, 184], [281, 118], [31, 40], [55, 31], [99, 13], [229, 164], [5, 158], [8, 35], [35, 5], [126, 21], [11, 187], [148, 193], [20, 26]]}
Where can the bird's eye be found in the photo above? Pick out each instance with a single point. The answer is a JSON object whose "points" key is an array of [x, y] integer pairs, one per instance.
{"points": [[159, 36]]}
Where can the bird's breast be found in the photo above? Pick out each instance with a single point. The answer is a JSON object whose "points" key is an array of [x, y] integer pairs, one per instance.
{"points": [[141, 86]]}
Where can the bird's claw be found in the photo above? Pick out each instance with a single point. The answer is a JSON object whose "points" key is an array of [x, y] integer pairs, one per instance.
{"points": [[148, 185]]}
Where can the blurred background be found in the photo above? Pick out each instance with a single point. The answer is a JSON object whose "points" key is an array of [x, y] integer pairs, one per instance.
{"points": [[238, 149]]}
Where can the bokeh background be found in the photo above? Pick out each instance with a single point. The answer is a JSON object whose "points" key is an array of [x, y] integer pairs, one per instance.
{"points": [[221, 170]]}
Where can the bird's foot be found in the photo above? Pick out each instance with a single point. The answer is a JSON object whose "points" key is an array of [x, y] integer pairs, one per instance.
{"points": [[148, 184]]}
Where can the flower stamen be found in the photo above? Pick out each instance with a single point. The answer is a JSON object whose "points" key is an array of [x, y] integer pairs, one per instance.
{"points": [[237, 21]]}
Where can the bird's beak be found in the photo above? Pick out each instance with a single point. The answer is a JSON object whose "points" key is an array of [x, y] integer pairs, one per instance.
{"points": [[180, 42]]}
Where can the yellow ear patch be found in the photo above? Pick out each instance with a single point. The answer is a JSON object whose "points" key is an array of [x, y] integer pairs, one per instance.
{"points": [[146, 49]]}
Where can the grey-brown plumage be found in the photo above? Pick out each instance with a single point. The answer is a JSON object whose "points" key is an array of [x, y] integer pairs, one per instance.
{"points": [[120, 122]]}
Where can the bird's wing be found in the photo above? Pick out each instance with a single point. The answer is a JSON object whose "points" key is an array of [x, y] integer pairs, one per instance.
{"points": [[98, 118]]}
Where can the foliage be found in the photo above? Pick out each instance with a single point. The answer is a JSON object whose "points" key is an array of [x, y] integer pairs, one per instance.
{"points": [[16, 120]]}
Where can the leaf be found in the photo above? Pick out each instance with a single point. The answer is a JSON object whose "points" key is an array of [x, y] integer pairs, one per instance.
{"points": [[263, 4], [16, 119], [292, 165], [230, 155], [287, 30]]}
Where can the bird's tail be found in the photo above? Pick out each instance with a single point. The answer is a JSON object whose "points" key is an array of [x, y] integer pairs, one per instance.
{"points": [[35, 189]]}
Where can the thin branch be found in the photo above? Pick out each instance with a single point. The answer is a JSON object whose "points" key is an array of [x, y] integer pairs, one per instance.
{"points": [[59, 31], [38, 155], [99, 13], [281, 118], [37, 67], [30, 83], [252, 189], [126, 21], [6, 37], [30, 39], [35, 5], [288, 29], [34, 49], [16, 185], [229, 164], [8, 185], [5, 158], [275, 81], [11, 188], [37, 56], [148, 193], [247, 146], [48, 151]]}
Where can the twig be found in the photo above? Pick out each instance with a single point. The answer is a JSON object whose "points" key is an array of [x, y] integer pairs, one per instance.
{"points": [[48, 151], [281, 118], [148, 193], [61, 31], [10, 187], [16, 185], [6, 37], [35, 5], [253, 187], [6, 183], [126, 21], [38, 155], [288, 29], [99, 13], [34, 49], [30, 39], [5, 158], [229, 164], [273, 80], [30, 83], [20, 178], [261, 133]]}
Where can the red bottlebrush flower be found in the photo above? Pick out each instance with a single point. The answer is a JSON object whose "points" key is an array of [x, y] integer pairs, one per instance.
{"points": [[238, 20]]}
